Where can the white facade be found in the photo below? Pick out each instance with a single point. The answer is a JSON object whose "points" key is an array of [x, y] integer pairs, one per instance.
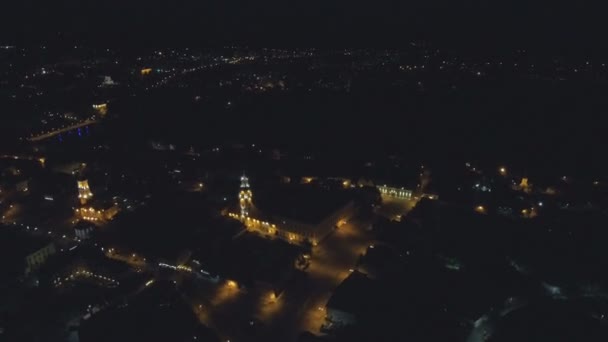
{"points": [[395, 192]]}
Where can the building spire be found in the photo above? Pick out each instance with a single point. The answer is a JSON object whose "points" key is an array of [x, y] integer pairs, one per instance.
{"points": [[84, 192], [245, 197]]}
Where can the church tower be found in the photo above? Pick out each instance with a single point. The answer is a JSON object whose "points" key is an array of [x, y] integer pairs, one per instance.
{"points": [[245, 197], [84, 192]]}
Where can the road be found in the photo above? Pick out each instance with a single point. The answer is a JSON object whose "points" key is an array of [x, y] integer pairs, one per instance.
{"points": [[301, 307], [61, 130]]}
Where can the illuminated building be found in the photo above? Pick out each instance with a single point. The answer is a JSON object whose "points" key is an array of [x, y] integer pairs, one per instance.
{"points": [[395, 192], [101, 108], [402, 193], [84, 192], [245, 197], [296, 214], [522, 186], [146, 71], [92, 214], [308, 180]]}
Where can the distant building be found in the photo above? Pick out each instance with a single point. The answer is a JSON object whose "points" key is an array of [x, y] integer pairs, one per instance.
{"points": [[395, 192], [296, 214], [102, 210], [402, 193], [83, 230], [84, 192], [245, 197], [101, 108], [108, 82], [22, 254]]}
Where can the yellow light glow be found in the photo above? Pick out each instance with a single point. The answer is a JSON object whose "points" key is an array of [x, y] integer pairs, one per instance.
{"points": [[232, 283]]}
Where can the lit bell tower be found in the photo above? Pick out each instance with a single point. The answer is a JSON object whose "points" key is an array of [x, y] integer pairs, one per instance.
{"points": [[245, 196], [84, 192]]}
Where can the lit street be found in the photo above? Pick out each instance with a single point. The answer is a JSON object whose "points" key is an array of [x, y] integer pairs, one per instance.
{"points": [[301, 305]]}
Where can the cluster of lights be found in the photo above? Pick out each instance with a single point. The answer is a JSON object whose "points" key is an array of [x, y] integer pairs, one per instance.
{"points": [[84, 192], [45, 134], [176, 268], [90, 214], [184, 268], [270, 227], [307, 180], [83, 274], [41, 160], [394, 192], [256, 221], [482, 187]]}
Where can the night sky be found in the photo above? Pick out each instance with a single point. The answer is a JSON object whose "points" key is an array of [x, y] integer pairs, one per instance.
{"points": [[566, 27]]}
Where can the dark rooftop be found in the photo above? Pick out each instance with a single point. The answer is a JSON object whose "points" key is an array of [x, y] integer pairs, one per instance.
{"points": [[252, 258], [157, 314], [14, 247], [309, 204], [15, 242], [353, 295]]}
